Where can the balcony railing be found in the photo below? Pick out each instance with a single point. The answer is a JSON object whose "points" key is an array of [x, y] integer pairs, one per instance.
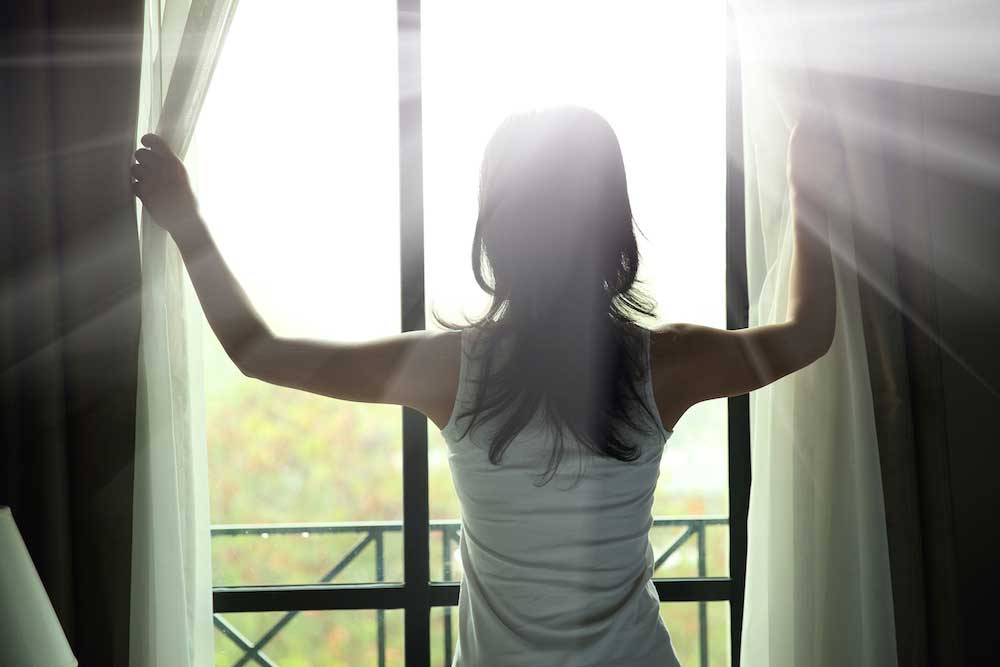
{"points": [[373, 534]]}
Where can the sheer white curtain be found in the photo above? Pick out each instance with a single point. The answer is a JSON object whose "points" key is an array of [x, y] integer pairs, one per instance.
{"points": [[171, 617], [818, 589]]}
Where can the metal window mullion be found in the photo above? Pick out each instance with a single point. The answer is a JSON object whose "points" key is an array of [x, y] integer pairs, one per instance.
{"points": [[416, 519], [737, 317], [311, 597]]}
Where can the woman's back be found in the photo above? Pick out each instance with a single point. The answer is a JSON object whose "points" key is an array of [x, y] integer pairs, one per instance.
{"points": [[552, 577], [557, 574]]}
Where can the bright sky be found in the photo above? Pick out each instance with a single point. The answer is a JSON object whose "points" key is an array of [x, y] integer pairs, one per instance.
{"points": [[296, 152]]}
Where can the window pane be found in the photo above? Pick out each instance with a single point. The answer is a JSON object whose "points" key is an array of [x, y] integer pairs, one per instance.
{"points": [[690, 547], [446, 562], [692, 626], [699, 632], [296, 165], [302, 638], [444, 634], [656, 71]]}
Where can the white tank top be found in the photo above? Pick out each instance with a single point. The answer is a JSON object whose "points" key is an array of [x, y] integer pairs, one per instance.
{"points": [[555, 576]]}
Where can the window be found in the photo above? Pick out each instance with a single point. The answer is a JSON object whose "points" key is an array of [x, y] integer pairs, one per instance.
{"points": [[336, 161]]}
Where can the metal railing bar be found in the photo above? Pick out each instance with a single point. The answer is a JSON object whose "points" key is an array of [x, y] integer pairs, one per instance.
{"points": [[380, 614], [253, 651], [709, 589], [287, 618], [677, 544], [392, 596], [702, 605], [446, 572], [242, 642], [308, 598], [243, 529], [309, 526], [444, 594], [296, 598]]}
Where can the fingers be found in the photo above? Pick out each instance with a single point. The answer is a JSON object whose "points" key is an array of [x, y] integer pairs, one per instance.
{"points": [[149, 171], [149, 163], [139, 190], [157, 154], [148, 157], [141, 171], [156, 168], [156, 143]]}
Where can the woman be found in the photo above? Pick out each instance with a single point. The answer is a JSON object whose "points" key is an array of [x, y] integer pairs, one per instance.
{"points": [[555, 405]]}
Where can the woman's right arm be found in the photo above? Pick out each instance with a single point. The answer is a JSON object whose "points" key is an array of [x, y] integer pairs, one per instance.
{"points": [[694, 363]]}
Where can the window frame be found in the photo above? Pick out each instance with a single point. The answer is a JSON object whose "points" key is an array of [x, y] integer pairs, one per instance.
{"points": [[417, 595]]}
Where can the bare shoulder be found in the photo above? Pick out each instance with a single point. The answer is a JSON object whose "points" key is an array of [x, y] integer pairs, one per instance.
{"points": [[441, 346], [671, 350], [443, 354]]}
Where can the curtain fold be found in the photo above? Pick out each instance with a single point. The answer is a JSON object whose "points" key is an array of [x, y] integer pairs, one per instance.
{"points": [[818, 583], [171, 605], [69, 307], [880, 68], [900, 324]]}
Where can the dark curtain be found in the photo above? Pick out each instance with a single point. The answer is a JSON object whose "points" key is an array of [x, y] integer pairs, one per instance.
{"points": [[901, 323], [69, 304]]}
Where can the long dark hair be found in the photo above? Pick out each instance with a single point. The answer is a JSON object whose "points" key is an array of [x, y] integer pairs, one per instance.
{"points": [[555, 247]]}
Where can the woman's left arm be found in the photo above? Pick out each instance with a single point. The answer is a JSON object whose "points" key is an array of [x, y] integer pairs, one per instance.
{"points": [[413, 369], [162, 185]]}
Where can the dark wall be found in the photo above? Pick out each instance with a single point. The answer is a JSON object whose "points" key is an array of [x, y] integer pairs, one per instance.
{"points": [[963, 195]]}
